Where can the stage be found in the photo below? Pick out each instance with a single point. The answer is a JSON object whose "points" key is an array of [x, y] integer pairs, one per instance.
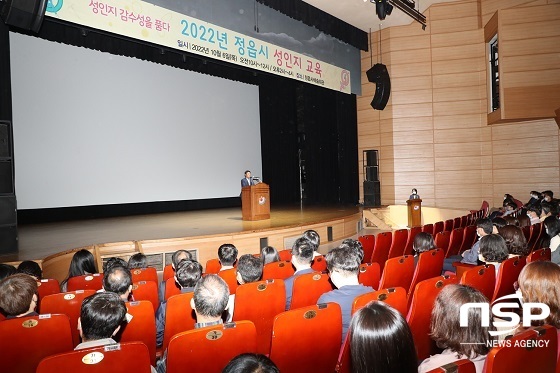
{"points": [[39, 241]]}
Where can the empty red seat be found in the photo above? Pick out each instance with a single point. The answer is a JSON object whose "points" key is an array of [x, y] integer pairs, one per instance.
{"points": [[447, 225], [428, 228], [171, 288], [179, 317], [144, 274], [482, 278], [142, 327], [213, 266], [86, 282], [279, 270], [47, 286], [285, 255], [381, 248], [507, 275], [455, 242], [369, 275], [398, 272], [319, 264], [394, 297], [409, 243], [442, 240], [469, 238], [538, 255], [168, 272], [146, 290], [368, 242], [400, 237], [430, 264]]}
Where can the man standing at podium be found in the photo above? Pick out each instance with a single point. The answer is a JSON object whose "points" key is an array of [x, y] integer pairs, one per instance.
{"points": [[247, 180]]}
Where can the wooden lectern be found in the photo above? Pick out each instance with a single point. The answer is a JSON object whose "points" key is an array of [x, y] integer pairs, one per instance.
{"points": [[255, 202], [414, 212]]}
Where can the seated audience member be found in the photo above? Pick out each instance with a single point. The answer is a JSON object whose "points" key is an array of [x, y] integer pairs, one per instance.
{"points": [[227, 254], [547, 209], [177, 257], [6, 270], [535, 199], [355, 246], [187, 275], [534, 213], [302, 256], [314, 239], [552, 229], [114, 262], [381, 341], [422, 242], [18, 296], [538, 283], [498, 223], [516, 242], [30, 268], [344, 265], [249, 269], [269, 255], [137, 260], [250, 363], [484, 227], [458, 342], [118, 280], [509, 208], [548, 196], [493, 250], [83, 263]]}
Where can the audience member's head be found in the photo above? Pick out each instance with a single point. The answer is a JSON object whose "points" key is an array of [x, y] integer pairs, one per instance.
{"points": [[552, 226], [381, 341], [269, 255], [499, 222], [547, 209], [227, 253], [188, 273], [302, 253], [101, 316], [354, 245], [343, 265], [210, 298], [118, 280], [484, 226], [178, 256], [516, 242], [249, 269], [423, 242], [6, 270], [534, 211], [313, 237], [114, 262], [548, 195], [538, 283], [536, 195], [138, 260], [30, 268], [251, 363], [445, 322], [510, 206], [83, 263], [18, 295], [493, 249], [523, 219]]}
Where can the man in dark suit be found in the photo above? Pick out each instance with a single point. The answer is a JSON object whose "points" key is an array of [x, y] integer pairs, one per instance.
{"points": [[247, 180]]}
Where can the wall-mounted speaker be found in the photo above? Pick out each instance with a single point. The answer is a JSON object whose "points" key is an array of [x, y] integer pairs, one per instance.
{"points": [[379, 75], [372, 193], [25, 14]]}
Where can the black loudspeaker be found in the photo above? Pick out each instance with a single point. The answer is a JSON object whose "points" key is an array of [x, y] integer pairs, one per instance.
{"points": [[379, 75], [25, 14], [8, 239], [372, 193], [8, 210], [4, 140], [372, 173], [371, 158]]}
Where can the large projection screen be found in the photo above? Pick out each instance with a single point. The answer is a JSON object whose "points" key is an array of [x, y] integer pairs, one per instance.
{"points": [[91, 128]]}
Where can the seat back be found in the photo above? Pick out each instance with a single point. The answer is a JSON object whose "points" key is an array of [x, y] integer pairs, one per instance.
{"points": [[68, 304], [26, 341], [85, 282], [457, 223], [455, 242], [539, 255], [319, 264], [285, 255], [521, 355], [469, 237], [420, 312], [439, 226], [368, 242], [536, 234], [142, 327], [230, 277], [442, 240], [278, 270], [148, 291], [179, 316], [394, 297], [47, 286], [171, 288], [398, 272], [447, 225], [400, 237], [213, 266], [428, 228], [464, 221], [295, 335], [369, 275], [526, 232], [211, 348], [482, 278], [484, 209], [459, 366], [381, 248], [430, 264], [260, 302], [409, 243], [308, 288], [507, 275], [168, 272], [144, 274], [117, 358]]}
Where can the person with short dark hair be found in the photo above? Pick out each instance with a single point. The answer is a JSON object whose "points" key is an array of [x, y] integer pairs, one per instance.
{"points": [[493, 250], [381, 341], [6, 270], [118, 280], [177, 257], [186, 276], [114, 262], [269, 255], [137, 260], [250, 363], [552, 241], [484, 226], [535, 199], [534, 213], [302, 257], [30, 268], [18, 296], [247, 179], [548, 195], [344, 265], [547, 209], [100, 319], [227, 254], [355, 246], [249, 269], [458, 342], [314, 239], [516, 242], [422, 242], [82, 263]]}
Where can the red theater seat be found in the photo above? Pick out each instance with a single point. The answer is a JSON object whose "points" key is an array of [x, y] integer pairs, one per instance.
{"points": [[394, 297], [279, 270], [179, 316], [141, 328], [144, 274], [398, 272], [308, 288], [369, 275], [86, 282], [482, 278]]}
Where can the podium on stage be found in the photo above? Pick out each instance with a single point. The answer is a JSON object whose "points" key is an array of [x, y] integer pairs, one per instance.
{"points": [[414, 212], [255, 202]]}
